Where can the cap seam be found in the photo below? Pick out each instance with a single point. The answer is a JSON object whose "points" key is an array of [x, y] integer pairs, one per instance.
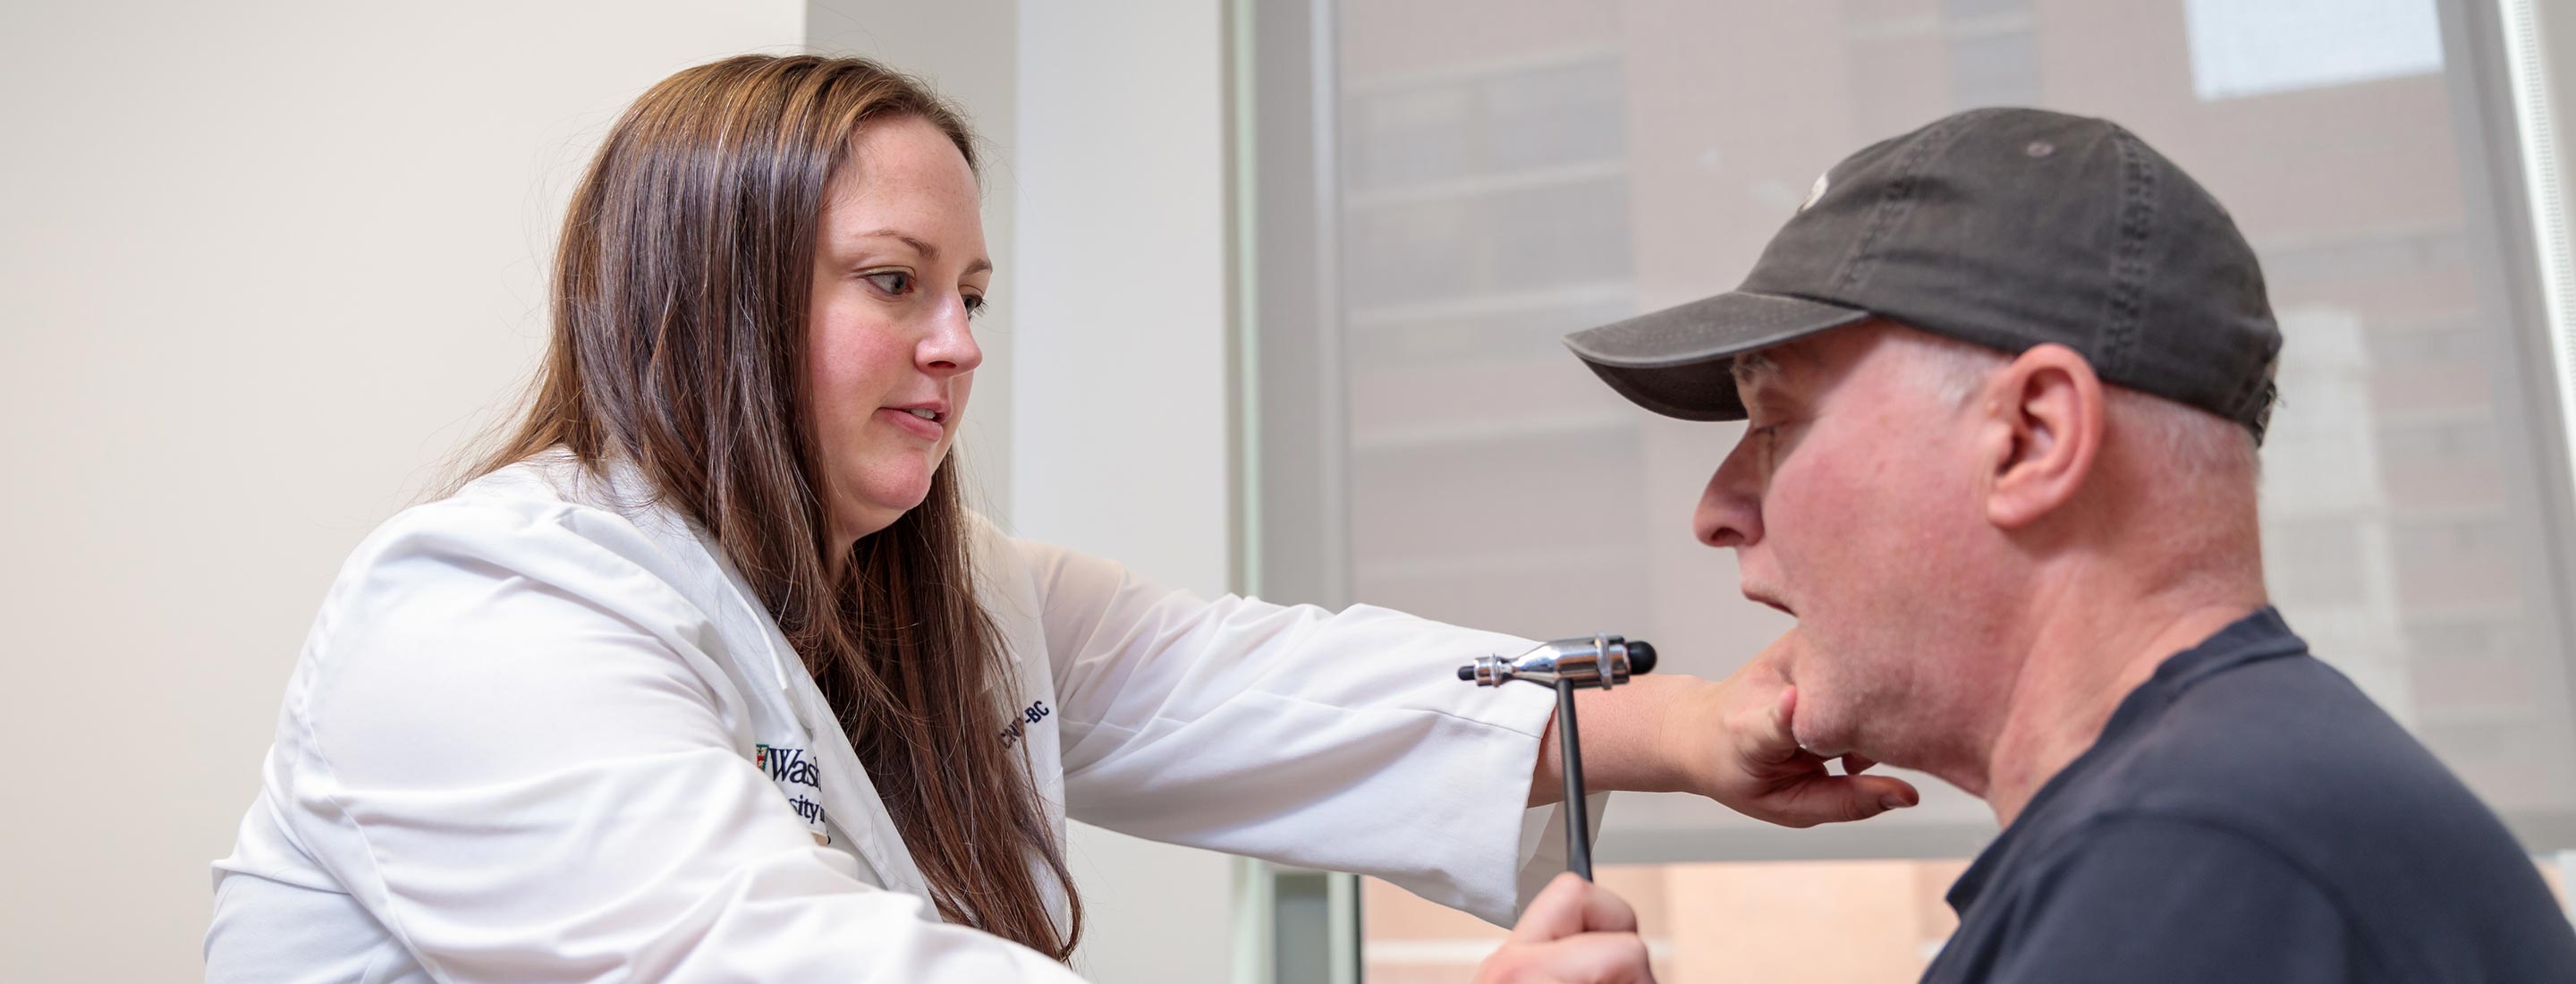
{"points": [[1894, 204], [2125, 305]]}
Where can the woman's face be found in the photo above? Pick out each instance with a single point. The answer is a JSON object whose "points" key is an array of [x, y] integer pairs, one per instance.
{"points": [[889, 359]]}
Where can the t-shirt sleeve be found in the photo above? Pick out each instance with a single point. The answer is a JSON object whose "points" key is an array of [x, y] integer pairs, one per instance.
{"points": [[2150, 899]]}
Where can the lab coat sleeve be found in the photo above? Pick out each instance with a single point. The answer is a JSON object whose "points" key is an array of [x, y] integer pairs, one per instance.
{"points": [[1342, 741], [514, 749]]}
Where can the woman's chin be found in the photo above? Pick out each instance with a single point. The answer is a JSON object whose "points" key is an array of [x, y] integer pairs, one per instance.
{"points": [[880, 504]]}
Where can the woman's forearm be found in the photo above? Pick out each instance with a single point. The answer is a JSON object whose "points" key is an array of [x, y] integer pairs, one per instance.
{"points": [[1728, 740], [1628, 738]]}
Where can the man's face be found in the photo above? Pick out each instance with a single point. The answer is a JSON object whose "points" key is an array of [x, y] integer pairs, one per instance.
{"points": [[1852, 503]]}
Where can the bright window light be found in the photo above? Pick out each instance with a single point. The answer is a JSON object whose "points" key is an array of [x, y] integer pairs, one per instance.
{"points": [[2254, 47]]}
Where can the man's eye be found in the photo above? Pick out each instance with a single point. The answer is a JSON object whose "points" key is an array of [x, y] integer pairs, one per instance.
{"points": [[974, 305], [894, 282]]}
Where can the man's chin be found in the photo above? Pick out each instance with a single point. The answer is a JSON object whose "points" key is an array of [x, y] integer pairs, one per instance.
{"points": [[1822, 738]]}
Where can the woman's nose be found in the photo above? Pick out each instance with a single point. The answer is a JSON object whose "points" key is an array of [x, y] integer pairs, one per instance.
{"points": [[950, 347]]}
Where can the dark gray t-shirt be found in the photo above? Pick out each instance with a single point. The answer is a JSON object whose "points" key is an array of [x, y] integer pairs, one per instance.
{"points": [[2248, 815]]}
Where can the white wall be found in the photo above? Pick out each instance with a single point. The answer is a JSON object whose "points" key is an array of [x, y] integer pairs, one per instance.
{"points": [[261, 266], [1119, 443]]}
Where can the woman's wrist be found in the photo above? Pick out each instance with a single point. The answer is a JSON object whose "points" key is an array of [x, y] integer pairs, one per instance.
{"points": [[1654, 735], [1689, 735]]}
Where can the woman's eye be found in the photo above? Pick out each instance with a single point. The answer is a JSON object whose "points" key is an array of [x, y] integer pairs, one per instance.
{"points": [[894, 282], [974, 305]]}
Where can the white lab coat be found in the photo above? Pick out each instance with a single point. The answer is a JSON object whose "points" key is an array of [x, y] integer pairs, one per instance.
{"points": [[540, 732]]}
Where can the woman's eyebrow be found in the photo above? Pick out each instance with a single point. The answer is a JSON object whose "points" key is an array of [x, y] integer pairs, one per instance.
{"points": [[928, 251]]}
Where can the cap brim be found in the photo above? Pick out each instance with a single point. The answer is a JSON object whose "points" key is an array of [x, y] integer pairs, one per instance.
{"points": [[1680, 361]]}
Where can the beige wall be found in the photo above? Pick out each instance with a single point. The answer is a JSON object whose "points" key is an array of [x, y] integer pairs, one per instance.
{"points": [[1108, 304], [1120, 444], [968, 50], [261, 267]]}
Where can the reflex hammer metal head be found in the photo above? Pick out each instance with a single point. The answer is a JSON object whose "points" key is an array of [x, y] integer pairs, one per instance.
{"points": [[1600, 660]]}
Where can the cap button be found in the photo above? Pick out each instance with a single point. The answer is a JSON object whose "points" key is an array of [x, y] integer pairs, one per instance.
{"points": [[2040, 148]]}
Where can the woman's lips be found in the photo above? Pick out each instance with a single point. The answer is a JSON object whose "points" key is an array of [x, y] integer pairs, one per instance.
{"points": [[913, 424]]}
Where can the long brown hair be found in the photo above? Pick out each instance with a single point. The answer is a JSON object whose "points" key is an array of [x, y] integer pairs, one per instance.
{"points": [[680, 291]]}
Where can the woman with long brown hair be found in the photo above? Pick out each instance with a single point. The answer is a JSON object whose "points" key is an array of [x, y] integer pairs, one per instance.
{"points": [[706, 674]]}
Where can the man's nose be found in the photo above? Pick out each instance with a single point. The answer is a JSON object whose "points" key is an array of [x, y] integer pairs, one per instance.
{"points": [[1730, 508]]}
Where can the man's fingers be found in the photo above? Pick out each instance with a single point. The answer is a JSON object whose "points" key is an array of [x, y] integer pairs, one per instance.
{"points": [[1856, 764]]}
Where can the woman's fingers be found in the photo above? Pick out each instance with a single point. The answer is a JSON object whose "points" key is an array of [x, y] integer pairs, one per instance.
{"points": [[1573, 932], [1592, 958], [1556, 912], [1569, 906], [1585, 958], [1776, 780], [1824, 798], [1605, 912]]}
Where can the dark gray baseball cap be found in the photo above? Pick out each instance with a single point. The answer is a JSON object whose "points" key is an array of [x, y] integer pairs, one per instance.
{"points": [[2006, 228]]}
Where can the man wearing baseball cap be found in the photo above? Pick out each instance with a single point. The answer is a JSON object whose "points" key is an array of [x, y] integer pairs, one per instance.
{"points": [[2006, 377]]}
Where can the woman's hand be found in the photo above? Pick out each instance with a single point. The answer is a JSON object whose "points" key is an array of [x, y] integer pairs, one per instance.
{"points": [[1574, 932], [1735, 736], [1728, 740]]}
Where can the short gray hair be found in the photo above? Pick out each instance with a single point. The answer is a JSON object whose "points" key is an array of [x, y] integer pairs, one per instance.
{"points": [[2193, 442]]}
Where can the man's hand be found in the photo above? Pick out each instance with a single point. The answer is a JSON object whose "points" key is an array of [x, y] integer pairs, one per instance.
{"points": [[1574, 932], [1754, 763]]}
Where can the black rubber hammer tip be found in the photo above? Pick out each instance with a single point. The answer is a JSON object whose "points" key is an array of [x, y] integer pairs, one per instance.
{"points": [[1467, 672], [1641, 657]]}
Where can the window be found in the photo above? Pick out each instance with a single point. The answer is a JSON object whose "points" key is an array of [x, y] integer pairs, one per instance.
{"points": [[1443, 188]]}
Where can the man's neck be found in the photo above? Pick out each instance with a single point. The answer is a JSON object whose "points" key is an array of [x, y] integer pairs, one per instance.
{"points": [[2081, 661]]}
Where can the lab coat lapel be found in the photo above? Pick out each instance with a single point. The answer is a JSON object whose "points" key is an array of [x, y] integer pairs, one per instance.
{"points": [[847, 791], [849, 799]]}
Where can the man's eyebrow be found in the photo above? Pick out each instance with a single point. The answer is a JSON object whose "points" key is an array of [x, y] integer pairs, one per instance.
{"points": [[1760, 381], [1752, 367], [928, 251]]}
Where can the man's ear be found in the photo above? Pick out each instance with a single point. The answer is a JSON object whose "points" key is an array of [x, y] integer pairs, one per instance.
{"points": [[2042, 430]]}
